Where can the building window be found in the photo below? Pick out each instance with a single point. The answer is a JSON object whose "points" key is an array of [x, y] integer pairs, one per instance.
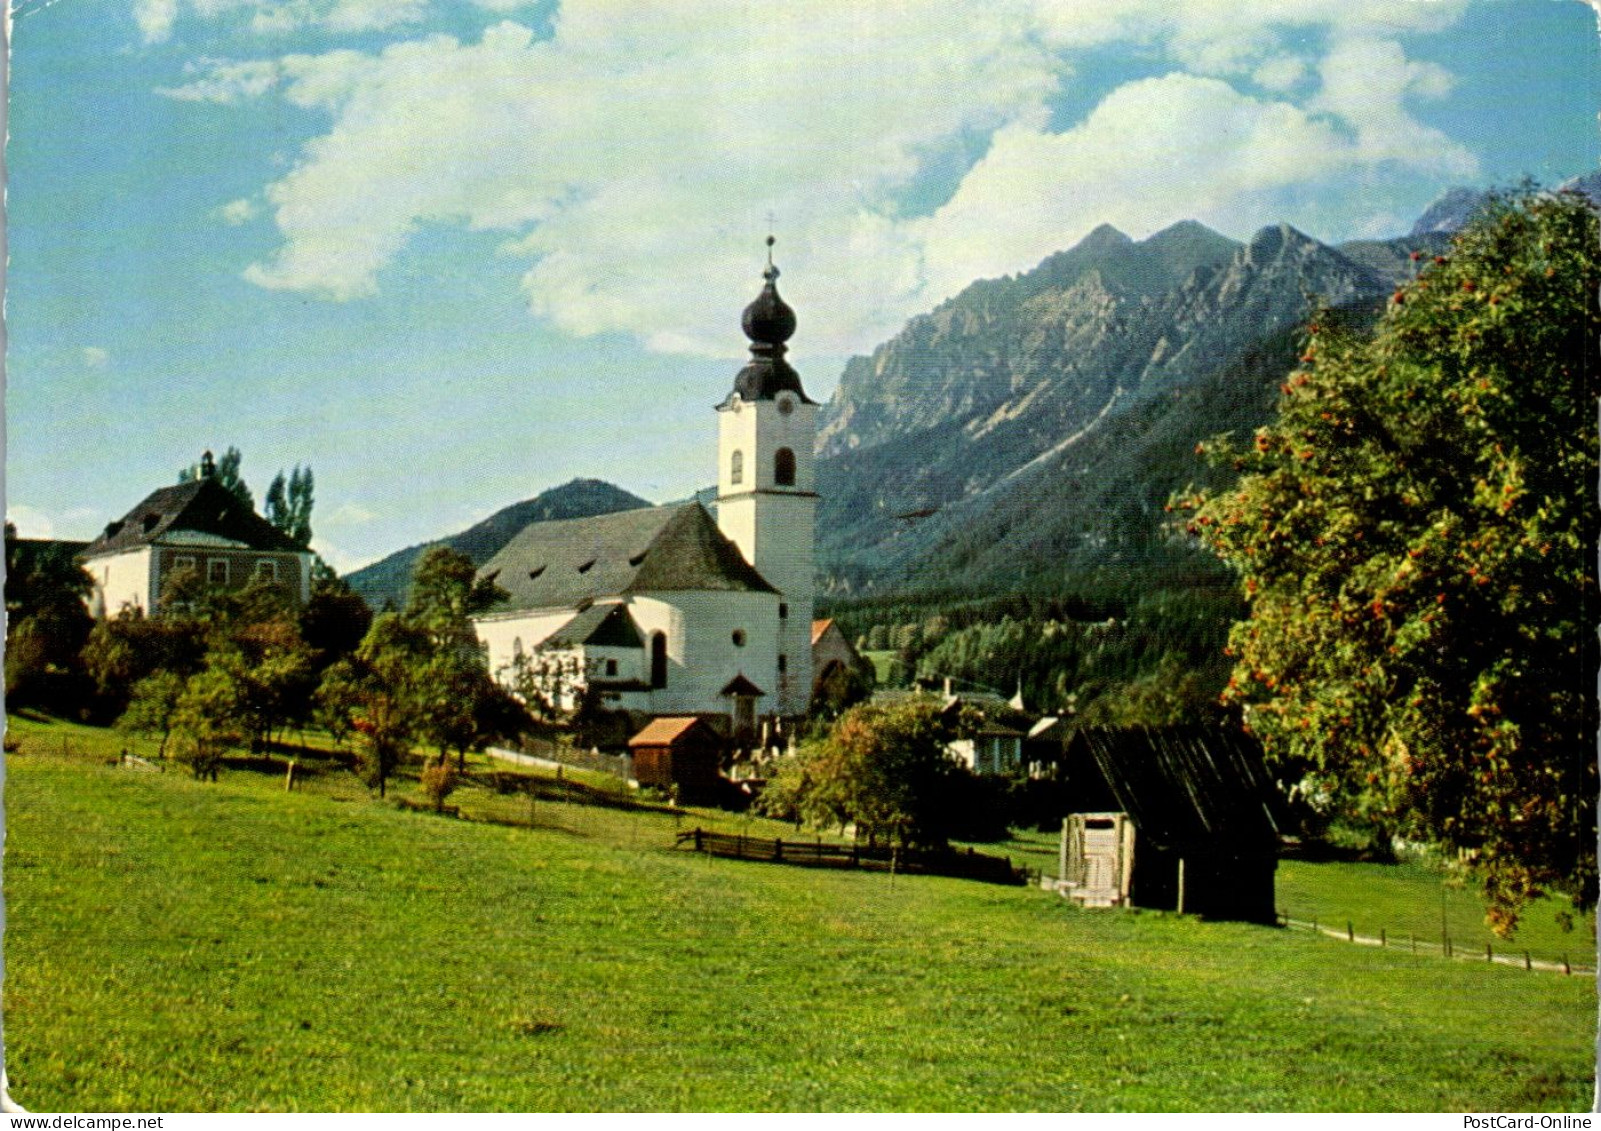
{"points": [[611, 667], [217, 571], [658, 660], [783, 611], [184, 562], [267, 571], [736, 467], [784, 467], [783, 664], [739, 638]]}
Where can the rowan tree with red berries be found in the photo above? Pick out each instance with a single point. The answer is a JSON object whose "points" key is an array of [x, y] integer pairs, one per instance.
{"points": [[1416, 537]]}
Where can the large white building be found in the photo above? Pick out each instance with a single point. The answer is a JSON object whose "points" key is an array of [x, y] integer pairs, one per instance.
{"points": [[667, 610], [199, 526]]}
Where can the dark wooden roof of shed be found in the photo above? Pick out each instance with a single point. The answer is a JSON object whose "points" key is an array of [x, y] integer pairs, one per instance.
{"points": [[204, 506], [552, 565], [1190, 787]]}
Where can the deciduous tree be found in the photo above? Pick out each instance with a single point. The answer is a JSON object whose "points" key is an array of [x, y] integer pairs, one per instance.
{"points": [[1416, 537], [885, 767]]}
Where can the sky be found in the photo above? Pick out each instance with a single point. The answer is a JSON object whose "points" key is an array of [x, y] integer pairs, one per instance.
{"points": [[451, 254]]}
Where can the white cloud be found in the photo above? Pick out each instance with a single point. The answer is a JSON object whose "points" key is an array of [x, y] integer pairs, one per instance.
{"points": [[156, 18], [237, 212], [227, 83], [622, 157], [96, 357], [1135, 163], [31, 522], [349, 514]]}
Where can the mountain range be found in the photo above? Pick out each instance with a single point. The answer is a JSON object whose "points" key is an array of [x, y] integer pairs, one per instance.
{"points": [[1023, 436], [1029, 428]]}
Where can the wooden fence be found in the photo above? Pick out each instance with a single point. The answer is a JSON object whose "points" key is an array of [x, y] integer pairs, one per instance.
{"points": [[1446, 947], [815, 854]]}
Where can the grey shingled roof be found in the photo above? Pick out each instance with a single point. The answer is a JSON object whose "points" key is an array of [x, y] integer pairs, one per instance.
{"points": [[599, 624], [553, 565], [202, 505]]}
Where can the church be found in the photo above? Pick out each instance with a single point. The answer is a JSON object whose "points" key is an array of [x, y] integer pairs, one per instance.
{"points": [[670, 611]]}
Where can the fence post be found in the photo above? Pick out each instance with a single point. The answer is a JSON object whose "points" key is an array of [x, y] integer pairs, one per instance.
{"points": [[1489, 954], [778, 848], [1383, 937], [1566, 968], [1528, 963], [1445, 943], [697, 838], [1350, 931], [289, 777]]}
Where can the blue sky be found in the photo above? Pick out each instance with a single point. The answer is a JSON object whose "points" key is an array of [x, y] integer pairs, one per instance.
{"points": [[452, 254]]}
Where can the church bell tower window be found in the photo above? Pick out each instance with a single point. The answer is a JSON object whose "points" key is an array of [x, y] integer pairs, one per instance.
{"points": [[736, 467], [784, 467]]}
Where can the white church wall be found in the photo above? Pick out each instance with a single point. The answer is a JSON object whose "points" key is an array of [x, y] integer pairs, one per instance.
{"points": [[504, 635], [701, 654]]}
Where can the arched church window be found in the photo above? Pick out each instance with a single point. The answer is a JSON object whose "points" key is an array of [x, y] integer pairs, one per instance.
{"points": [[784, 467], [736, 468], [658, 660]]}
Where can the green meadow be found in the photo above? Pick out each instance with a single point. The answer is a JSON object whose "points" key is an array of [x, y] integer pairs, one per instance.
{"points": [[178, 945]]}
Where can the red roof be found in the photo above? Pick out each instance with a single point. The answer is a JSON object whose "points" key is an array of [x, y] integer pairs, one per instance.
{"points": [[819, 627], [664, 731]]}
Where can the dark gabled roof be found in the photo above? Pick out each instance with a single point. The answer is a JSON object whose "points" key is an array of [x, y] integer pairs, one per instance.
{"points": [[1190, 788], [202, 505], [553, 565], [599, 624], [739, 685]]}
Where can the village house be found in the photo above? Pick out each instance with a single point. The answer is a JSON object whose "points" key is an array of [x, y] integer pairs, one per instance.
{"points": [[832, 654], [201, 526], [669, 611]]}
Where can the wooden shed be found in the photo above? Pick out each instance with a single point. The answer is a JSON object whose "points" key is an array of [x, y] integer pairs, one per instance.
{"points": [[684, 751], [1183, 819]]}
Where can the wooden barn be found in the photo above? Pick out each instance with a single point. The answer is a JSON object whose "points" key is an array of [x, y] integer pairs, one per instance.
{"points": [[1178, 819], [685, 752]]}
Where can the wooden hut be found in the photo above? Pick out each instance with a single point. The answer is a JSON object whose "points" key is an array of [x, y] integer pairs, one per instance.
{"points": [[678, 751], [1182, 819]]}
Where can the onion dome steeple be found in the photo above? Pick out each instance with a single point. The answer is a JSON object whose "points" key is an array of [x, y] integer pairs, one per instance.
{"points": [[768, 323]]}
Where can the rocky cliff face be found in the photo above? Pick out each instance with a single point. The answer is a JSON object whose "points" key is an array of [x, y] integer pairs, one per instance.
{"points": [[1003, 379]]}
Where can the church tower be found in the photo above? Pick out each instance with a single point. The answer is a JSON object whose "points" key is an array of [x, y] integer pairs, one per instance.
{"points": [[766, 489]]}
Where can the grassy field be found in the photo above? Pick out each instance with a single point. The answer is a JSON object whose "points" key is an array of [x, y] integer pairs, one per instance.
{"points": [[176, 945], [1406, 901]]}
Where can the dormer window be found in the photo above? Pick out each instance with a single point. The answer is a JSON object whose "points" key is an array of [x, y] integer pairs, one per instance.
{"points": [[151, 521], [533, 574], [639, 558], [587, 566]]}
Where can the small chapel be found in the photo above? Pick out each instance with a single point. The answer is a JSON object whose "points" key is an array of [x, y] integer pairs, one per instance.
{"points": [[674, 610]]}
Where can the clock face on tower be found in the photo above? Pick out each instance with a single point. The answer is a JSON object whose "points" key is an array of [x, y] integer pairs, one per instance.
{"points": [[786, 404]]}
